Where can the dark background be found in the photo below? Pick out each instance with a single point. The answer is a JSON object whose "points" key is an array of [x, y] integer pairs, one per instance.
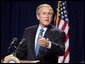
{"points": [[17, 15]]}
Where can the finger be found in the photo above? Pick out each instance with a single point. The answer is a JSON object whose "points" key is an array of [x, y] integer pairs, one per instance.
{"points": [[42, 39]]}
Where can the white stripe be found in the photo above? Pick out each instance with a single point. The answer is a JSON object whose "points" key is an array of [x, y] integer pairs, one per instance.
{"points": [[67, 44], [66, 28], [61, 24], [60, 59], [67, 58]]}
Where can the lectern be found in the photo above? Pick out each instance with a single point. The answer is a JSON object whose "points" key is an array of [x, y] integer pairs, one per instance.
{"points": [[12, 59]]}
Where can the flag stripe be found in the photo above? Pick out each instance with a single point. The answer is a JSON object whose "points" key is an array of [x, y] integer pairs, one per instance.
{"points": [[64, 26], [61, 24], [66, 44], [65, 55], [67, 37], [57, 21]]}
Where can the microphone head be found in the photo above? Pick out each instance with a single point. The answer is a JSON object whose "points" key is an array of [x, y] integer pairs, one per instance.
{"points": [[13, 44], [15, 39], [23, 39]]}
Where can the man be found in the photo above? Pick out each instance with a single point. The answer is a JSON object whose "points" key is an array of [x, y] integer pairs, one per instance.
{"points": [[46, 47]]}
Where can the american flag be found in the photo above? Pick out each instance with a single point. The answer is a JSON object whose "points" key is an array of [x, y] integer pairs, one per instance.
{"points": [[62, 22]]}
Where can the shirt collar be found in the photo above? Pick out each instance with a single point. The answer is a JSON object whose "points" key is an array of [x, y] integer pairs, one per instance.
{"points": [[45, 28]]}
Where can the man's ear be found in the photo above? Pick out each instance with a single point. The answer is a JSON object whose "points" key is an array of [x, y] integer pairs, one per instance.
{"points": [[37, 16]]}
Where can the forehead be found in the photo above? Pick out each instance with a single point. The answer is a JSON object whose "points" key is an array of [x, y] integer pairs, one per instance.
{"points": [[46, 9]]}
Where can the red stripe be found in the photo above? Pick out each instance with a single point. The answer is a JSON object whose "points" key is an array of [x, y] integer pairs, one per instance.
{"points": [[66, 37], [57, 21], [63, 27], [65, 55]]}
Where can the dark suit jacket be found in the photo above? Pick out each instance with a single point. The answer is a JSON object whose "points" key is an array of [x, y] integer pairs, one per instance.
{"points": [[26, 50]]}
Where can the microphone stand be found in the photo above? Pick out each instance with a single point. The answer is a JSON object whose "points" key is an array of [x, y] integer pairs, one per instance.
{"points": [[22, 40]]}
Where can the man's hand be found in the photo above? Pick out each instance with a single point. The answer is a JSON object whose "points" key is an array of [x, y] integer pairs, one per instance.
{"points": [[43, 42]]}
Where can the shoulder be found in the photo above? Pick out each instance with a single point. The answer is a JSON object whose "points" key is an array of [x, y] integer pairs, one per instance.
{"points": [[29, 30], [57, 31], [31, 27]]}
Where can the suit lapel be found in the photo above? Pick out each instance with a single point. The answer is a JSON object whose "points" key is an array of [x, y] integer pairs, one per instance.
{"points": [[33, 34], [47, 33]]}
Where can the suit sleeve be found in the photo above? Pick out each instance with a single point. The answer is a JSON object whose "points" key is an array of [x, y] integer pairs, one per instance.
{"points": [[58, 46]]}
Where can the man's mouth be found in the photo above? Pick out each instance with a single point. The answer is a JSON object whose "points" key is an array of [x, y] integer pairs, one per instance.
{"points": [[46, 20]]}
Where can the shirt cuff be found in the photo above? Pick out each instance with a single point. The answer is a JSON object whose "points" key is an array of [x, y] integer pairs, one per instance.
{"points": [[49, 44]]}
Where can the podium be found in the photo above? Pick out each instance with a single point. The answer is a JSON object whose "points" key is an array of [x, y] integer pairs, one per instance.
{"points": [[13, 59], [25, 61]]}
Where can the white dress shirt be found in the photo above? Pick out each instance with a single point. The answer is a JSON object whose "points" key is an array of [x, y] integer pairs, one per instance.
{"points": [[37, 33]]}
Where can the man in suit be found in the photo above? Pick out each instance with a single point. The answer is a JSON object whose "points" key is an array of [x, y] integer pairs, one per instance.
{"points": [[43, 42]]}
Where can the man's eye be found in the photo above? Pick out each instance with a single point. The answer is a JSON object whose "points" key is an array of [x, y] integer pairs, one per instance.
{"points": [[44, 13], [50, 13]]}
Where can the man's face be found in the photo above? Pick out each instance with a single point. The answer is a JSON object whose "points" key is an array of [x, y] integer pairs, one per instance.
{"points": [[45, 16]]}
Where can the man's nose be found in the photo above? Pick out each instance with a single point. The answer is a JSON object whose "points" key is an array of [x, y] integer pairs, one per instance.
{"points": [[47, 15]]}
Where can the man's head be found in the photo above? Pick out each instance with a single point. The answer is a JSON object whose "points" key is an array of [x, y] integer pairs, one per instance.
{"points": [[44, 14]]}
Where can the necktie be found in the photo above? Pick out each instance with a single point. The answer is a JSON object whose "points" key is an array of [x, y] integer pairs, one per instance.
{"points": [[37, 45]]}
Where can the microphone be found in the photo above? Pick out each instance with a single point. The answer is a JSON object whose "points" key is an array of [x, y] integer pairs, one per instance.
{"points": [[22, 40], [12, 43], [52, 25]]}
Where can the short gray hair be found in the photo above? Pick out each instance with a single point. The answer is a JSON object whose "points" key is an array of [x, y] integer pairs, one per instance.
{"points": [[43, 5]]}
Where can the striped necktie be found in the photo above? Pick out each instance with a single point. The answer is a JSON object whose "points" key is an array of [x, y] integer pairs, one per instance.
{"points": [[37, 45]]}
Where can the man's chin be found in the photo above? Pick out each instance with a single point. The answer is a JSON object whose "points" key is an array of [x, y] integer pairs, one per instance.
{"points": [[46, 25]]}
